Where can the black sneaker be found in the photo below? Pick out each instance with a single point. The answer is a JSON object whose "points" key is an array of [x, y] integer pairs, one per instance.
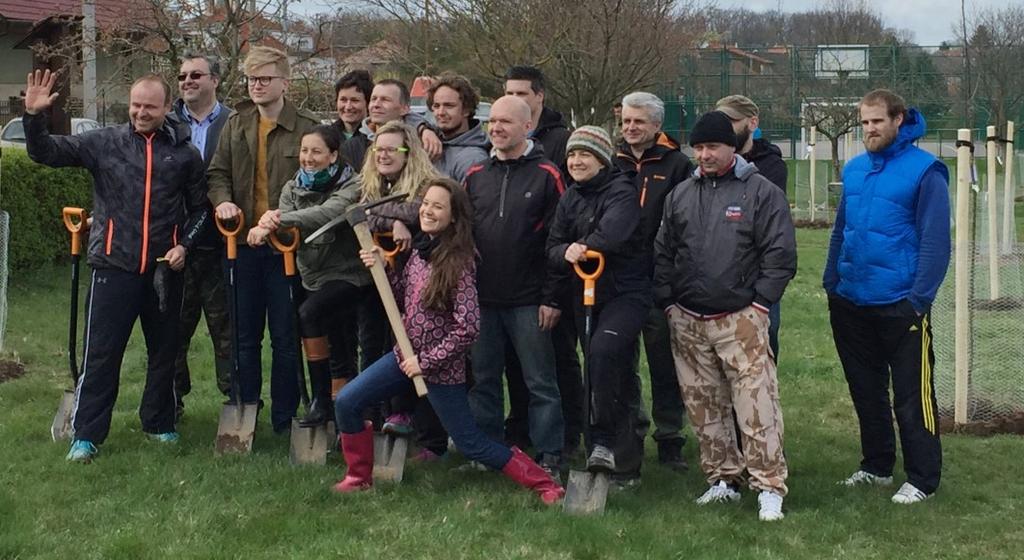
{"points": [[670, 454], [601, 459], [551, 465], [625, 481]]}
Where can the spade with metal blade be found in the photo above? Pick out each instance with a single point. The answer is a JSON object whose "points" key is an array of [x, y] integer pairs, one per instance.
{"points": [[237, 426], [75, 221], [308, 444], [587, 492]]}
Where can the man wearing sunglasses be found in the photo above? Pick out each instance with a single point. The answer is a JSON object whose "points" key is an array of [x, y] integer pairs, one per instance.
{"points": [[198, 108], [257, 153]]}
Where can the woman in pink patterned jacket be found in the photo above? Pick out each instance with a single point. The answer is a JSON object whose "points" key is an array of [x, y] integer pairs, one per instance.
{"points": [[437, 292]]}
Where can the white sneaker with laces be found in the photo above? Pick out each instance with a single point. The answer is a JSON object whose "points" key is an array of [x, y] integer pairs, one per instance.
{"points": [[718, 493], [909, 494], [864, 478], [771, 506]]}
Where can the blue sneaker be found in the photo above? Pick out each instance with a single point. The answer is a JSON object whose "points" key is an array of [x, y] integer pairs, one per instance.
{"points": [[166, 437], [82, 451]]}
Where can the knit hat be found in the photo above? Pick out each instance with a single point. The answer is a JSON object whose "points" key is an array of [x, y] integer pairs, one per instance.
{"points": [[593, 139], [737, 107], [713, 127]]}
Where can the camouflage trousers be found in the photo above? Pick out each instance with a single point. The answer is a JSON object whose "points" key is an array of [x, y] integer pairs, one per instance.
{"points": [[204, 294], [724, 364]]}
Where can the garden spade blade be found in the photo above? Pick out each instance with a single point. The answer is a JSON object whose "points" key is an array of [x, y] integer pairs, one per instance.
{"points": [[237, 428], [389, 454], [61, 427], [586, 493], [308, 445]]}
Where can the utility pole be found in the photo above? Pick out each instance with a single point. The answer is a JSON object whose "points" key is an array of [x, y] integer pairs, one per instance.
{"points": [[89, 59]]}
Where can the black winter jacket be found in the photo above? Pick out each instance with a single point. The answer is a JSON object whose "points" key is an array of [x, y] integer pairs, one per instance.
{"points": [[659, 169], [768, 159], [552, 134], [603, 214], [209, 237], [514, 203], [149, 193], [725, 242]]}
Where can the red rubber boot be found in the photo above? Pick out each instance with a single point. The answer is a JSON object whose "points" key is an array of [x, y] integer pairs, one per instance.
{"points": [[358, 451], [525, 472]]}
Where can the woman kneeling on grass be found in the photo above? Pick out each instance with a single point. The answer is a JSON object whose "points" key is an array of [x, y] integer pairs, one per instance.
{"points": [[437, 290]]}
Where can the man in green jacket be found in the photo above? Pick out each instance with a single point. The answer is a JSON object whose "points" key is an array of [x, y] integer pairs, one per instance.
{"points": [[257, 154]]}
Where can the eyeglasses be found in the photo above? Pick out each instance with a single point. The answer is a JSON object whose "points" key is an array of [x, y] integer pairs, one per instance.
{"points": [[388, 150], [261, 80], [195, 75]]}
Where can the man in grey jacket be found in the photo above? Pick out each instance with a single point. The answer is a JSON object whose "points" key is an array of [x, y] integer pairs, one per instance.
{"points": [[724, 253], [453, 101]]}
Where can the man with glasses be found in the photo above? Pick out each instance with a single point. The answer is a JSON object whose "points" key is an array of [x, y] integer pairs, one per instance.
{"points": [[198, 108], [256, 155]]}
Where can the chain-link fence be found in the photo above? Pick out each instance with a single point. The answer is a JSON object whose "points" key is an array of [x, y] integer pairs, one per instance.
{"points": [[994, 311]]}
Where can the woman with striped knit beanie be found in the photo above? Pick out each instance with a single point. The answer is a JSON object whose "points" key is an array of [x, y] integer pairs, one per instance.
{"points": [[601, 212]]}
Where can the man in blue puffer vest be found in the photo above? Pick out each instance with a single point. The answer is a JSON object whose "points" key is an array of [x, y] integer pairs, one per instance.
{"points": [[887, 257]]}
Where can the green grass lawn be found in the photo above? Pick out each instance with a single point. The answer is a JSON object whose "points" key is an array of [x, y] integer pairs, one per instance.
{"points": [[143, 500]]}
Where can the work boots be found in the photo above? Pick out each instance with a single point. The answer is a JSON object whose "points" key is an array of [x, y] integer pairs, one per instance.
{"points": [[525, 472], [318, 363], [358, 451]]}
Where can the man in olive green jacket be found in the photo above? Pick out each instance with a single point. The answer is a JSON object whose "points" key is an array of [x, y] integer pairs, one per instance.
{"points": [[256, 155]]}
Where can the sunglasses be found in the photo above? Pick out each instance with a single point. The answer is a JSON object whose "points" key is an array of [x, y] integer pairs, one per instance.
{"points": [[195, 75]]}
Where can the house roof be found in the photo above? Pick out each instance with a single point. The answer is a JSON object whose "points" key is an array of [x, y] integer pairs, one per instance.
{"points": [[108, 12]]}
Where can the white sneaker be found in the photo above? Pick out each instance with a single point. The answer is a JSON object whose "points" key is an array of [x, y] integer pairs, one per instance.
{"points": [[720, 492], [909, 494], [771, 506], [865, 478]]}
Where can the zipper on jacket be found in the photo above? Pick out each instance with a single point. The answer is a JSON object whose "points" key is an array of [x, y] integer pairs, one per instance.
{"points": [[110, 234], [145, 205], [643, 193], [504, 187], [174, 236]]}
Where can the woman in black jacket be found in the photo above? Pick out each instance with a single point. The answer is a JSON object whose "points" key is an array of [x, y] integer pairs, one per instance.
{"points": [[601, 212]]}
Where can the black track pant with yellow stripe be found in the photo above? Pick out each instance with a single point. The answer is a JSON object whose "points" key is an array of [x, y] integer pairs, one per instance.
{"points": [[875, 343]]}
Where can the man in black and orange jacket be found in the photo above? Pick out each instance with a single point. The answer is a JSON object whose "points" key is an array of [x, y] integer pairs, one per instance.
{"points": [[653, 159], [148, 207]]}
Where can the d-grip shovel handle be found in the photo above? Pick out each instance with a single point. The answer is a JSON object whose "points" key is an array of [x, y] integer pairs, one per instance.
{"points": [[389, 254], [75, 220], [590, 278], [231, 235], [287, 250]]}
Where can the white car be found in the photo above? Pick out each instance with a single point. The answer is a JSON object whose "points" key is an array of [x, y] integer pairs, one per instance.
{"points": [[13, 134]]}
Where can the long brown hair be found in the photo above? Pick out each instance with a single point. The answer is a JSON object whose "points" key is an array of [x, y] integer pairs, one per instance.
{"points": [[455, 250]]}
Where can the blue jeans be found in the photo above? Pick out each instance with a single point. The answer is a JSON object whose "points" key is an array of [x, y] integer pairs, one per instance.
{"points": [[384, 379], [262, 291], [537, 356]]}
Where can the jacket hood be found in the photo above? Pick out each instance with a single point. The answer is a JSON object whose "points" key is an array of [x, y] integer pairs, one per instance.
{"points": [[741, 168], [475, 137], [549, 118], [910, 131], [529, 154], [364, 129]]}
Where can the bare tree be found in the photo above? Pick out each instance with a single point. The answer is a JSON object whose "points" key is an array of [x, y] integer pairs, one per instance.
{"points": [[996, 51], [592, 51]]}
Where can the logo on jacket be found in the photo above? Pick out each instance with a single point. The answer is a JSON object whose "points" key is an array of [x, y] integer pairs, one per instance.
{"points": [[733, 213]]}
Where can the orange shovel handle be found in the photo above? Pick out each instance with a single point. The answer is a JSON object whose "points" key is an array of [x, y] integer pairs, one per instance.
{"points": [[590, 278], [75, 221], [287, 250], [231, 235]]}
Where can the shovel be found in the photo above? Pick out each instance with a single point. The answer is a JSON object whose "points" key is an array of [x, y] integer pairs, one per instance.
{"points": [[308, 445], [237, 426], [389, 450], [587, 492], [75, 221]]}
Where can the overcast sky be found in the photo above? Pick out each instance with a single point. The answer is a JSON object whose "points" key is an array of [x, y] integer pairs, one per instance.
{"points": [[931, 21]]}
